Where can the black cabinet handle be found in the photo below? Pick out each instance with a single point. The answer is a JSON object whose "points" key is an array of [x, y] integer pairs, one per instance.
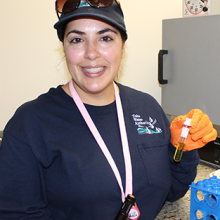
{"points": [[160, 67]]}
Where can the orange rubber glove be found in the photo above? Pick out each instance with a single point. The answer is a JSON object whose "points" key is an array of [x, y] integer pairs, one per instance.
{"points": [[200, 133]]}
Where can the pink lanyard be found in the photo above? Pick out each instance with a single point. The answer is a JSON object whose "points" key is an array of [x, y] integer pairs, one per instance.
{"points": [[101, 143]]}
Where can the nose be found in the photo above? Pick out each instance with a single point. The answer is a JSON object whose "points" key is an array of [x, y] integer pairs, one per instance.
{"points": [[92, 51]]}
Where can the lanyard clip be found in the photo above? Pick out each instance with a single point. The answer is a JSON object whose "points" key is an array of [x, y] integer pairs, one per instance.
{"points": [[125, 208]]}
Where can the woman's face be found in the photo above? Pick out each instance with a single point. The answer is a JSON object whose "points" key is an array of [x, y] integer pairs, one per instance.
{"points": [[93, 50]]}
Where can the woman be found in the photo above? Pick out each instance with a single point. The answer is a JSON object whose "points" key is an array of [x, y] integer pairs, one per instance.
{"points": [[77, 151]]}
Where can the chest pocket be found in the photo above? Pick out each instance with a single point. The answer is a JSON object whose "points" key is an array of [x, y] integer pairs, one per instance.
{"points": [[156, 161]]}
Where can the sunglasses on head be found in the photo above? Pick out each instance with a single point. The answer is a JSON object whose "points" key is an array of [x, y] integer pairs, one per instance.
{"points": [[67, 6]]}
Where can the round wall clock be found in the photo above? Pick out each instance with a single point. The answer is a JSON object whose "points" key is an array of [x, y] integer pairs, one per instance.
{"points": [[196, 7]]}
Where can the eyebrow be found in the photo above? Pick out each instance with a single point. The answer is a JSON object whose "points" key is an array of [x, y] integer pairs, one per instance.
{"points": [[99, 32], [76, 32], [106, 30]]}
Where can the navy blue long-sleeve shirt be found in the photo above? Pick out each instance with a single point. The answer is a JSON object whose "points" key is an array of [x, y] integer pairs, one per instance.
{"points": [[52, 168]]}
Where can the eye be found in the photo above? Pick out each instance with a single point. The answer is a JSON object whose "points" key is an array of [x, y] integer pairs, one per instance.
{"points": [[106, 38], [76, 40]]}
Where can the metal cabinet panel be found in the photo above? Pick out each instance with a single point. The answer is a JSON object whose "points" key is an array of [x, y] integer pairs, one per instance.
{"points": [[192, 66]]}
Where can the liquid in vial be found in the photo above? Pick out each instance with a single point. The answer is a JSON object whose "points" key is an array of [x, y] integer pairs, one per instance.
{"points": [[182, 140]]}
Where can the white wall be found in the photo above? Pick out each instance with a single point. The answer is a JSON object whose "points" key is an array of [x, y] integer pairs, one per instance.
{"points": [[31, 57]]}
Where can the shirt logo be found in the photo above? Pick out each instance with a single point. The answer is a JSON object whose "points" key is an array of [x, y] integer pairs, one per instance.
{"points": [[146, 127]]}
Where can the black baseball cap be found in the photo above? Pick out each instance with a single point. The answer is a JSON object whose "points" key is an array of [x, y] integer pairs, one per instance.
{"points": [[112, 15]]}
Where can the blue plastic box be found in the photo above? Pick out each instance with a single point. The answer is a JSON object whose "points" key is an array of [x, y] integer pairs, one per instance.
{"points": [[205, 199]]}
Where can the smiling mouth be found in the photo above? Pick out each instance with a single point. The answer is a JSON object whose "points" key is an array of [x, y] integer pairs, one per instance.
{"points": [[94, 70]]}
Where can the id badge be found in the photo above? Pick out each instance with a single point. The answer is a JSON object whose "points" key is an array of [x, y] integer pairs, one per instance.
{"points": [[134, 212]]}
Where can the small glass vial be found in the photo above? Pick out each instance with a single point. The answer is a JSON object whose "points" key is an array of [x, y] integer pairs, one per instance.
{"points": [[182, 141]]}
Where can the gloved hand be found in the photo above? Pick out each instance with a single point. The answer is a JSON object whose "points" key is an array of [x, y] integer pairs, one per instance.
{"points": [[200, 133]]}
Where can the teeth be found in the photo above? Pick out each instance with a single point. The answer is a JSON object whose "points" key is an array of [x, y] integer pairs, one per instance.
{"points": [[94, 70]]}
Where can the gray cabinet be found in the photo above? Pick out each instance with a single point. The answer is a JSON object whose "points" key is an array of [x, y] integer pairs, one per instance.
{"points": [[192, 66]]}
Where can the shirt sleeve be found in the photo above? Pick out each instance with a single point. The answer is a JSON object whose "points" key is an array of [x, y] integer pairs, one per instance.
{"points": [[183, 173], [22, 191]]}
